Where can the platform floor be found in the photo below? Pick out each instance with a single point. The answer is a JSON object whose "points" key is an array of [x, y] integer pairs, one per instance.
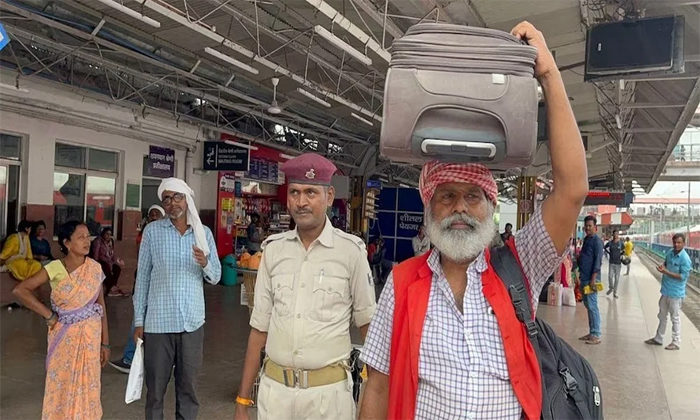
{"points": [[638, 381]]}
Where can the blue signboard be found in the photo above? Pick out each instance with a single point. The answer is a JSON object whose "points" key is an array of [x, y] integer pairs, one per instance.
{"points": [[386, 224], [374, 183], [387, 199], [399, 216], [408, 224], [409, 200], [4, 39]]}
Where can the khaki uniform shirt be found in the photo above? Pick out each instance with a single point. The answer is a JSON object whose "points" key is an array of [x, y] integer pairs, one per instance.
{"points": [[304, 299]]}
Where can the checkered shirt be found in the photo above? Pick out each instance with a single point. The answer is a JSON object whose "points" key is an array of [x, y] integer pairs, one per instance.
{"points": [[169, 295], [462, 370]]}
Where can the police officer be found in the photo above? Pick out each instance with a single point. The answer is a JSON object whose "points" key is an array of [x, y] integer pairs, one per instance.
{"points": [[312, 280]]}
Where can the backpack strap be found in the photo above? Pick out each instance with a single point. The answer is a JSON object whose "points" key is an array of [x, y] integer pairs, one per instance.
{"points": [[508, 269], [506, 265]]}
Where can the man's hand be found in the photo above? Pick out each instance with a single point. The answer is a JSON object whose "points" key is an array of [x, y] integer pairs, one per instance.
{"points": [[200, 257], [241, 412], [661, 269], [545, 64], [138, 333]]}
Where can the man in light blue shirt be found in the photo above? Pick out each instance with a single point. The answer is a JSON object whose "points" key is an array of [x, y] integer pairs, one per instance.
{"points": [[675, 270], [177, 255]]}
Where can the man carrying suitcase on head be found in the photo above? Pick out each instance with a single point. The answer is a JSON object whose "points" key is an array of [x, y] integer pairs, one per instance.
{"points": [[445, 342]]}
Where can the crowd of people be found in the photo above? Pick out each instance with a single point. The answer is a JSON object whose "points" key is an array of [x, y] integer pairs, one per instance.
{"points": [[176, 254]]}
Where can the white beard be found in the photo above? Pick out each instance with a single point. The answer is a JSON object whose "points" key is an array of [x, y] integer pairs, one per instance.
{"points": [[460, 245]]}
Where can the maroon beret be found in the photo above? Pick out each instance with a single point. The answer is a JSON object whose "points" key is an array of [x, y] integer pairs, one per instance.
{"points": [[309, 168]]}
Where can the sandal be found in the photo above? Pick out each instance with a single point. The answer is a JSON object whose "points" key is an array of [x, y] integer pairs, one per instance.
{"points": [[652, 342], [585, 337], [673, 346], [593, 341]]}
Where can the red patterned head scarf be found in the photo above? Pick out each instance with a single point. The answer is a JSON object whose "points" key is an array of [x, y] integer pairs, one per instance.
{"points": [[435, 173]]}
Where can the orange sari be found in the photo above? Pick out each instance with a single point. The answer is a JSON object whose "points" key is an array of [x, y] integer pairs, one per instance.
{"points": [[73, 368]]}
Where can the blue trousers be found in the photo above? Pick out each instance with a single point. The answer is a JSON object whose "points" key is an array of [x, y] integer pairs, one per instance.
{"points": [[130, 348], [590, 301]]}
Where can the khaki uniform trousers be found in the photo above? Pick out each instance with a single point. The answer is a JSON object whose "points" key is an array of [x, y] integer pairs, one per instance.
{"points": [[328, 402]]}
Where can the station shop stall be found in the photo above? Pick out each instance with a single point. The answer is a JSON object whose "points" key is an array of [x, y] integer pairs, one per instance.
{"points": [[260, 189]]}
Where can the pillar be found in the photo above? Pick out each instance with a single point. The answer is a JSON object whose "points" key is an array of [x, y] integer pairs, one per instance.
{"points": [[527, 186]]}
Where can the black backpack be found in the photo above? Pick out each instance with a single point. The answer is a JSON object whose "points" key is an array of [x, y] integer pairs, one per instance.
{"points": [[570, 388]]}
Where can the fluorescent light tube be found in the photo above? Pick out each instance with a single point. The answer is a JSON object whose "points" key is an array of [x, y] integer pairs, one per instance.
{"points": [[223, 57], [313, 97], [285, 156], [327, 35], [368, 122], [243, 145], [133, 13]]}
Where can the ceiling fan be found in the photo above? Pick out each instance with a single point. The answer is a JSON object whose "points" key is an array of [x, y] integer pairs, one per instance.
{"points": [[274, 107]]}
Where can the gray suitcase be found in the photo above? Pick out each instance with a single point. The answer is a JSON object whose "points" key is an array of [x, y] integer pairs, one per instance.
{"points": [[460, 94]]}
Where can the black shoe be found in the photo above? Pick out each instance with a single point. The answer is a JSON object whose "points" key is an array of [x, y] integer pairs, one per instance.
{"points": [[121, 366]]}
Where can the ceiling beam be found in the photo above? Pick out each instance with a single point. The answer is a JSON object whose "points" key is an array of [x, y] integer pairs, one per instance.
{"points": [[379, 17], [685, 117], [641, 130], [333, 68], [656, 105], [78, 33], [663, 78], [644, 164]]}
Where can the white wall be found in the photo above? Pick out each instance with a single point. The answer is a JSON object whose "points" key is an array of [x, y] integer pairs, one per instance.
{"points": [[508, 214], [45, 112]]}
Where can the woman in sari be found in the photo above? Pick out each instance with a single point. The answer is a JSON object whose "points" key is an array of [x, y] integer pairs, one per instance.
{"points": [[78, 338], [41, 248], [16, 256]]}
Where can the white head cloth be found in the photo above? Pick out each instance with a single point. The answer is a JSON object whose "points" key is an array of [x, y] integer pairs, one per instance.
{"points": [[156, 207], [179, 186]]}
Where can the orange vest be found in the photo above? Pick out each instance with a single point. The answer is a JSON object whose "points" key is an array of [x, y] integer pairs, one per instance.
{"points": [[412, 280]]}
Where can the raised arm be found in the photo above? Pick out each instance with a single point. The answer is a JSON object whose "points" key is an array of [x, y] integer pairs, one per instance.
{"points": [[569, 171]]}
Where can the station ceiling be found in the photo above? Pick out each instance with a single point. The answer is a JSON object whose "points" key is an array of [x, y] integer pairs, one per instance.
{"points": [[212, 62]]}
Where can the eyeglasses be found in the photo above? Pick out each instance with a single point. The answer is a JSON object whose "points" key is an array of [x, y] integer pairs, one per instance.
{"points": [[177, 197]]}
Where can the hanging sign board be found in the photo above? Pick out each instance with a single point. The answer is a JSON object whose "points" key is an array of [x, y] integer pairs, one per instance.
{"points": [[4, 39], [219, 156], [160, 162]]}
